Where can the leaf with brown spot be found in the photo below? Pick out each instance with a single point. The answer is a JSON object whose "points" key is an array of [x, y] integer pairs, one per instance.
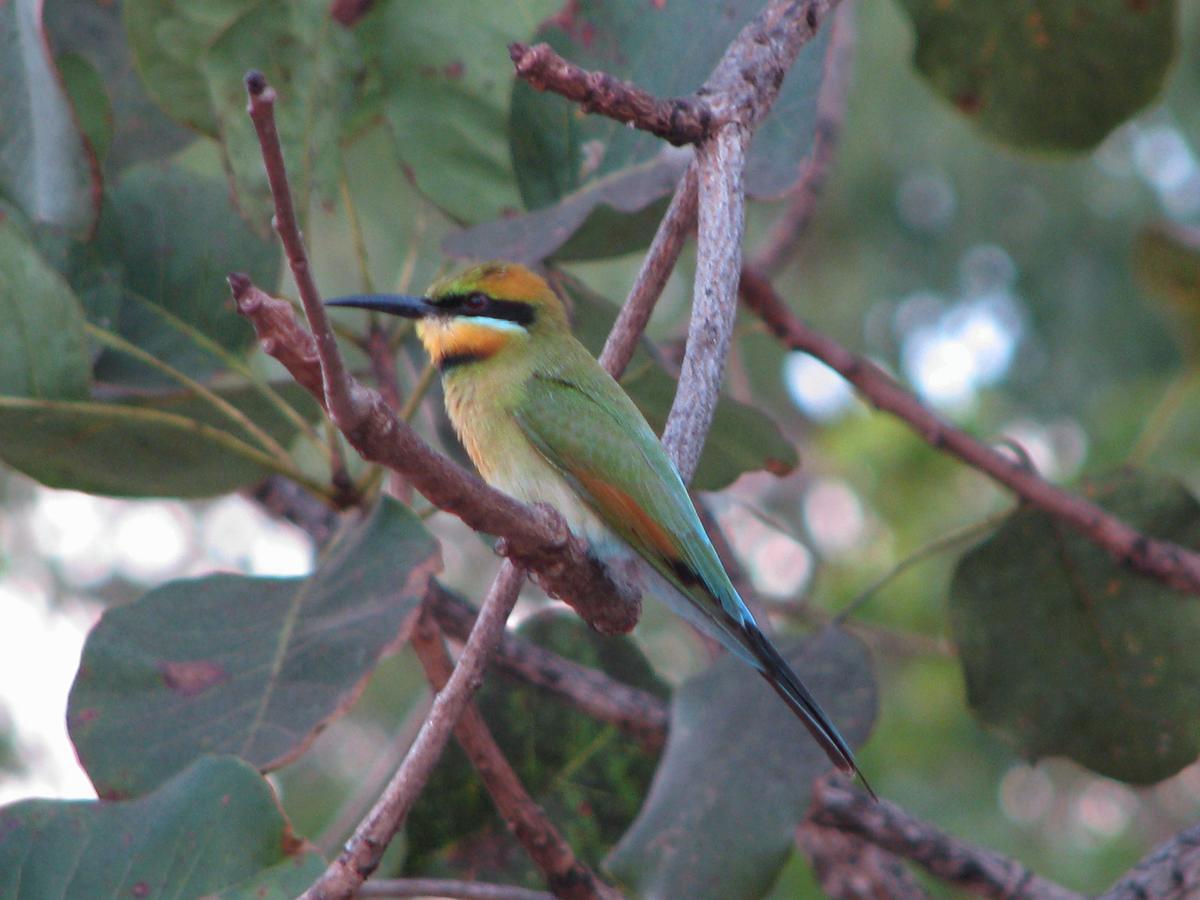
{"points": [[191, 677], [1042, 74], [212, 829], [258, 666], [1067, 653]]}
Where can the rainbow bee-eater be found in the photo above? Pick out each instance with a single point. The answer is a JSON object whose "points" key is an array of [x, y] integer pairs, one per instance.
{"points": [[545, 423]]}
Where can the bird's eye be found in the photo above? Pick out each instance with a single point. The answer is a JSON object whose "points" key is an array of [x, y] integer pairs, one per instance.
{"points": [[475, 302]]}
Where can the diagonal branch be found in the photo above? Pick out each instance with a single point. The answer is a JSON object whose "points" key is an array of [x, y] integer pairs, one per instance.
{"points": [[681, 120], [660, 259], [957, 862], [634, 711], [362, 852], [565, 874], [1170, 563]]}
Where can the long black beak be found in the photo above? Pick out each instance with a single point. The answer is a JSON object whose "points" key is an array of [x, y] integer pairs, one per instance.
{"points": [[396, 304]]}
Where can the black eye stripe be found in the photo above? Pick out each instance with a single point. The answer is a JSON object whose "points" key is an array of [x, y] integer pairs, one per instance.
{"points": [[469, 305]]}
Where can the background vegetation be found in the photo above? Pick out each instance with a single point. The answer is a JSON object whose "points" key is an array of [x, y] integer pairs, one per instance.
{"points": [[1006, 224]]}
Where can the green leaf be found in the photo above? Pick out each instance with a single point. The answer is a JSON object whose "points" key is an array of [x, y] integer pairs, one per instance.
{"points": [[742, 438], [251, 666], [43, 348], [617, 214], [446, 81], [1045, 74], [1065, 652], [174, 236], [588, 776], [194, 54], [91, 33], [45, 165], [590, 173], [85, 88], [172, 444], [735, 779], [211, 830]]}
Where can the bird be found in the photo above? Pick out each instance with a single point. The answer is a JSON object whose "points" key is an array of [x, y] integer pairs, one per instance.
{"points": [[544, 422]]}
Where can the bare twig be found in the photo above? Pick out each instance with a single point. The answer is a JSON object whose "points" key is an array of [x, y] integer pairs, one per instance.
{"points": [[1171, 871], [957, 862], [831, 114], [849, 868], [437, 887], [536, 538], [346, 401], [682, 120], [634, 711], [1170, 563], [365, 848], [660, 259], [565, 874]]}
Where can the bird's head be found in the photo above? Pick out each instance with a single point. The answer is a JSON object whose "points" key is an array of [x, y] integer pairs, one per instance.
{"points": [[475, 314]]}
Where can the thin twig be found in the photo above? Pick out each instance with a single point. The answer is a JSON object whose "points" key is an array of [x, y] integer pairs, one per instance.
{"points": [[957, 862], [565, 874], [438, 887], [634, 711], [363, 851], [680, 120], [831, 114], [1170, 563], [347, 402], [657, 265]]}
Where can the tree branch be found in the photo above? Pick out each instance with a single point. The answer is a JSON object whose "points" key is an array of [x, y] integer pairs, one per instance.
{"points": [[565, 874], [1171, 871], [1170, 563], [660, 260], [365, 848], [849, 868], [682, 120], [957, 862], [720, 226], [634, 711]]}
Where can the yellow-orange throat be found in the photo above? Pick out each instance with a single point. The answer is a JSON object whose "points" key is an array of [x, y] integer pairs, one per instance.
{"points": [[452, 338]]}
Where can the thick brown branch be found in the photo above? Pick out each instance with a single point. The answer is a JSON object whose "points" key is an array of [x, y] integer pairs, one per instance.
{"points": [[634, 711], [721, 203], [682, 120], [1174, 565], [957, 862], [1171, 871], [363, 851], [565, 874]]}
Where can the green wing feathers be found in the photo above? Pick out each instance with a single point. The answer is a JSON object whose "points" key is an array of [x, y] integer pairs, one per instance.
{"points": [[591, 432]]}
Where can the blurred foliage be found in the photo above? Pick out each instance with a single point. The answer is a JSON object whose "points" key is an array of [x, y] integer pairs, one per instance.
{"points": [[125, 371]]}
